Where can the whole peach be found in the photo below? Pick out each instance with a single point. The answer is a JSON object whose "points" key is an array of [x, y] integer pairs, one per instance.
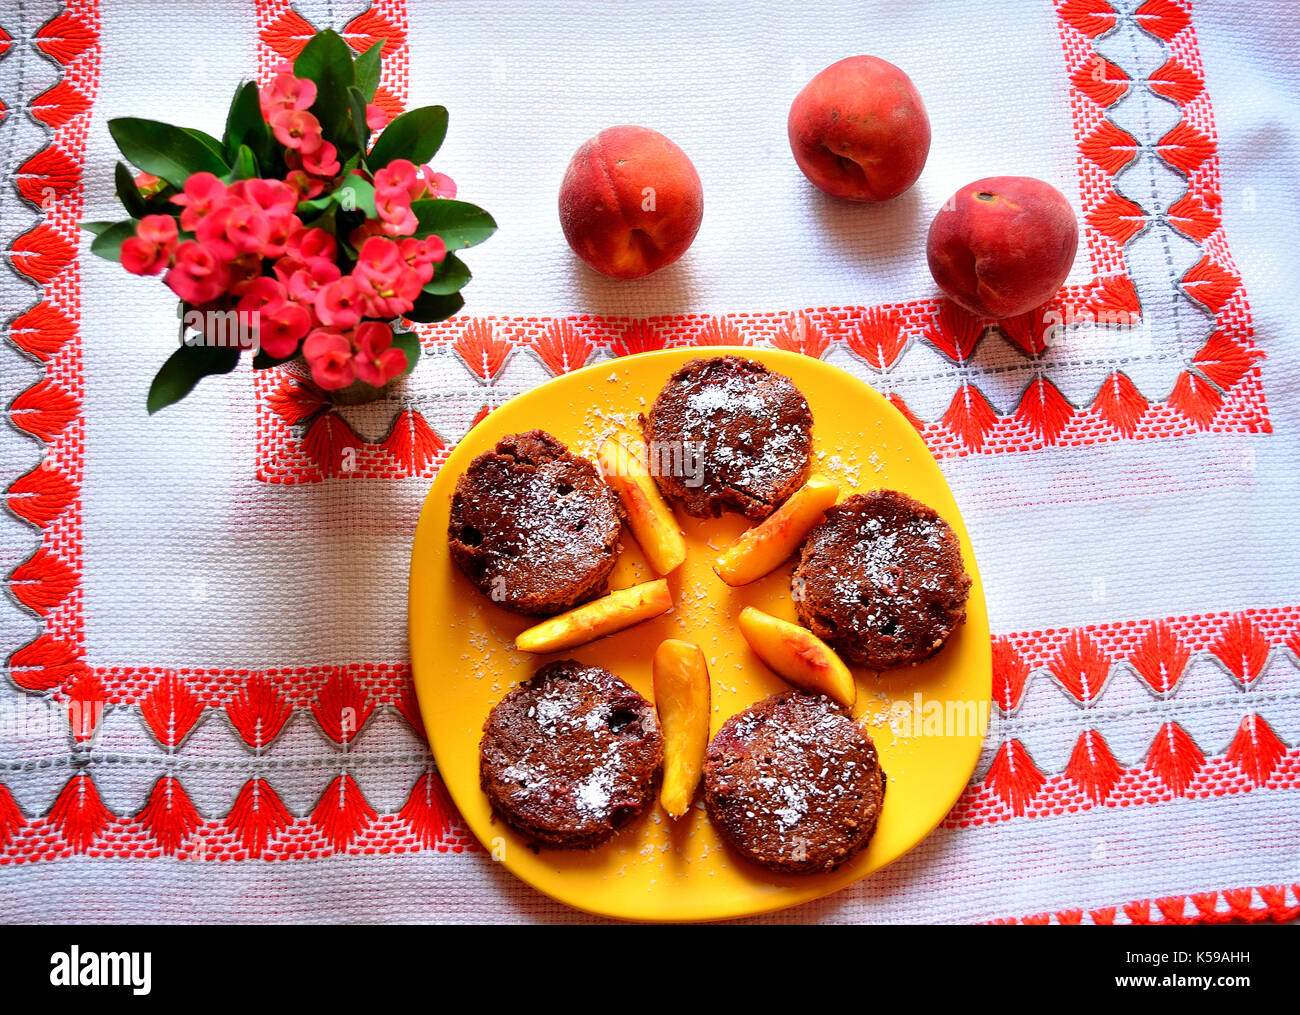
{"points": [[1003, 245], [631, 202], [859, 130]]}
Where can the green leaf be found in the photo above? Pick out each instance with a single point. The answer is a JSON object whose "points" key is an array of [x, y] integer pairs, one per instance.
{"points": [[368, 66], [356, 194], [416, 135], [458, 223], [306, 209], [245, 165], [185, 368], [327, 60], [208, 141], [95, 228], [430, 307], [450, 277], [168, 152], [128, 193], [108, 244], [244, 123], [357, 118], [409, 343]]}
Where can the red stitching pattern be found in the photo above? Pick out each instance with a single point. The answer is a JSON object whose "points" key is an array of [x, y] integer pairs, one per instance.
{"points": [[1201, 907], [1174, 766], [1157, 650], [259, 826]]}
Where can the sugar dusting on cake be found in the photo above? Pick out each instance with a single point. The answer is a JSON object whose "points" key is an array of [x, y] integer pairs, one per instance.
{"points": [[744, 445], [576, 760], [802, 773]]}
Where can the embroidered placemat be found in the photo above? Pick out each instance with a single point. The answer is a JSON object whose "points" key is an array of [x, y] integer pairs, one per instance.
{"points": [[208, 713]]}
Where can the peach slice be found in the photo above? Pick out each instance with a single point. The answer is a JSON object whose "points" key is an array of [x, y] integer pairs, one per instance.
{"points": [[648, 515], [681, 680], [597, 618], [770, 544], [798, 655]]}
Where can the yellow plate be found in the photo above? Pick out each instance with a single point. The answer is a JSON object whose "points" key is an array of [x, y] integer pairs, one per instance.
{"points": [[464, 660]]}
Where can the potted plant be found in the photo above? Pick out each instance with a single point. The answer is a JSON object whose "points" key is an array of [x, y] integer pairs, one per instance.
{"points": [[295, 236]]}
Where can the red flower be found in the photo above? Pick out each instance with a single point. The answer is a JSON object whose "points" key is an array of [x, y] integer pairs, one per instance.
{"points": [[280, 327], [378, 261], [387, 285], [150, 249], [376, 361], [338, 305], [275, 197], [286, 92], [280, 321], [148, 184], [308, 280], [297, 129], [329, 356], [394, 208], [245, 227], [435, 184], [363, 232], [201, 194], [306, 186], [199, 275], [324, 161], [309, 243], [376, 116], [398, 177], [423, 254]]}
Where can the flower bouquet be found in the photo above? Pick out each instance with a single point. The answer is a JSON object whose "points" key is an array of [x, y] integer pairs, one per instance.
{"points": [[293, 235]]}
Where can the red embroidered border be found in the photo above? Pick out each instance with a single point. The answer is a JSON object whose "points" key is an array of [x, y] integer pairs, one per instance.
{"points": [[342, 699], [1199, 907], [49, 582]]}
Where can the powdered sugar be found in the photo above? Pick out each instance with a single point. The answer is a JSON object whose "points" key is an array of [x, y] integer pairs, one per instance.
{"points": [[753, 426]]}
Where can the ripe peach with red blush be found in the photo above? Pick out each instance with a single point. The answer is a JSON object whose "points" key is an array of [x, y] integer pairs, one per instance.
{"points": [[631, 202], [859, 130], [1003, 246]]}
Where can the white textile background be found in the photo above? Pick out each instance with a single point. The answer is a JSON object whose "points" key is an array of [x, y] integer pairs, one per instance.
{"points": [[189, 560]]}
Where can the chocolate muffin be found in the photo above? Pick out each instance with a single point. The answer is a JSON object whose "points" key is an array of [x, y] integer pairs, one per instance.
{"points": [[570, 756], [793, 783], [534, 526], [881, 580], [727, 434]]}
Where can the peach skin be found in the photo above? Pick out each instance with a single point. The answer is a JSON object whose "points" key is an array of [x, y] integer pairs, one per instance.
{"points": [[859, 130], [768, 545], [681, 682], [597, 618], [798, 656], [631, 202], [1002, 246], [649, 517]]}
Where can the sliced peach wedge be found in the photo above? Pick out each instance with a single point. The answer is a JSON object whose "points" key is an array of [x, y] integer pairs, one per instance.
{"points": [[681, 680], [623, 464], [771, 543], [798, 655], [595, 619]]}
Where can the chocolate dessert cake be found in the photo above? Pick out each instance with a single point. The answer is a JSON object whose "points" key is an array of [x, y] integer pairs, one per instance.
{"points": [[570, 756], [533, 526], [727, 434], [881, 580], [793, 783]]}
